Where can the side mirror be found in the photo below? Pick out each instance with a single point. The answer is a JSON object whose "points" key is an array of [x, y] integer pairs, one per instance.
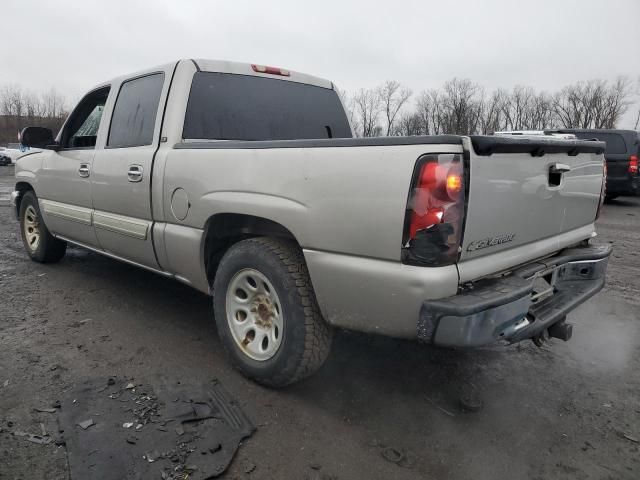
{"points": [[38, 137]]}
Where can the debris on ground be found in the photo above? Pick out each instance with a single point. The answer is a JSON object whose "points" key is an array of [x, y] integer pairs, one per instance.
{"points": [[392, 455], [442, 409], [30, 437], [631, 438], [6, 383], [470, 399], [45, 410], [86, 424], [205, 429], [402, 458], [249, 467]]}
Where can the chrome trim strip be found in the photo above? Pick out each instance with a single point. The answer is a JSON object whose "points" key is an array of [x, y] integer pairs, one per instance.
{"points": [[67, 212], [123, 225], [115, 257]]}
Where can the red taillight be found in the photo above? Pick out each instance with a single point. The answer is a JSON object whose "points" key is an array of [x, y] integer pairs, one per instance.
{"points": [[633, 164], [435, 211], [270, 70]]}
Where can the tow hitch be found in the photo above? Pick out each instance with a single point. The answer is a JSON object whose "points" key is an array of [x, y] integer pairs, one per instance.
{"points": [[561, 330]]}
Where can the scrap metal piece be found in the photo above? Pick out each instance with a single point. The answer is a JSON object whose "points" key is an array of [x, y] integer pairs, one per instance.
{"points": [[85, 424]]}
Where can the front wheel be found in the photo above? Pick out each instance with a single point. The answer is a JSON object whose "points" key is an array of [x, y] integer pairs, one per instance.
{"points": [[266, 313], [40, 245]]}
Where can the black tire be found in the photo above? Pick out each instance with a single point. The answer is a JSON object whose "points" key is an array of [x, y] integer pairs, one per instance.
{"points": [[49, 249], [306, 339]]}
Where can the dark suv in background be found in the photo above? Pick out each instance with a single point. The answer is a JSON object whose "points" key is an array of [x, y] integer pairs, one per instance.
{"points": [[621, 153]]}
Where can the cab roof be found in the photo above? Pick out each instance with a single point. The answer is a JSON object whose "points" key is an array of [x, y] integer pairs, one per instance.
{"points": [[224, 66]]}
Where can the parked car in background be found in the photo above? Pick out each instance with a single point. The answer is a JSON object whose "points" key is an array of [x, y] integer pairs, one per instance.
{"points": [[244, 182], [16, 151], [534, 133], [4, 159], [621, 153]]}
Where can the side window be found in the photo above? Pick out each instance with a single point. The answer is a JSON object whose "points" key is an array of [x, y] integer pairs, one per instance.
{"points": [[134, 114], [81, 129]]}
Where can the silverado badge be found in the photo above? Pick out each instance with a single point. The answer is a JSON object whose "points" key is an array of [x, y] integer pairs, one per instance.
{"points": [[490, 242]]}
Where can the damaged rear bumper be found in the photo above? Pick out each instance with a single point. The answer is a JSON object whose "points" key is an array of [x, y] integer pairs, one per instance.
{"points": [[524, 304]]}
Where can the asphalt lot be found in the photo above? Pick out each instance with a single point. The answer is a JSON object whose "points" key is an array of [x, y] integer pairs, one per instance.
{"points": [[566, 411]]}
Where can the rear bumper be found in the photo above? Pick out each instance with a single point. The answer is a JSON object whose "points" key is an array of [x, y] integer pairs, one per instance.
{"points": [[626, 185], [505, 308]]}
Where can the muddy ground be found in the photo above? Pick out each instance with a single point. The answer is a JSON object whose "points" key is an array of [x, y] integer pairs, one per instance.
{"points": [[566, 411]]}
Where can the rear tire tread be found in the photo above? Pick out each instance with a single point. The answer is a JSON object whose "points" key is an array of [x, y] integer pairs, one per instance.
{"points": [[318, 334]]}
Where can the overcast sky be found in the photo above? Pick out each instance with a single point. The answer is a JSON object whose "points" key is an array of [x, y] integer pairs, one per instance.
{"points": [[74, 44]]}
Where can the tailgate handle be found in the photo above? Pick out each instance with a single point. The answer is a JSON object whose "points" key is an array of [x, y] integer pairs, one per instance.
{"points": [[559, 168]]}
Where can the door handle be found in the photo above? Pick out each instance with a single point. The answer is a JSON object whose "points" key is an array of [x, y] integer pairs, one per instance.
{"points": [[559, 168], [135, 173], [84, 171]]}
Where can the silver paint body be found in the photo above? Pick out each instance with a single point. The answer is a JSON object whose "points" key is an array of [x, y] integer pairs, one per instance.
{"points": [[344, 205]]}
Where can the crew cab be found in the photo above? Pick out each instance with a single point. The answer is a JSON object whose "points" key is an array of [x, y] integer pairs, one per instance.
{"points": [[244, 181]]}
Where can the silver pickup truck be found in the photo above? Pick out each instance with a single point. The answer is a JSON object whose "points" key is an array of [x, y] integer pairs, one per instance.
{"points": [[244, 182]]}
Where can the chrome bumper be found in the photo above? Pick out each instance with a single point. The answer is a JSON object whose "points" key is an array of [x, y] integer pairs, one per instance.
{"points": [[522, 305]]}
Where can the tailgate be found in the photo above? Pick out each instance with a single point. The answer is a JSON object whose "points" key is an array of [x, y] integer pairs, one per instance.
{"points": [[524, 190]]}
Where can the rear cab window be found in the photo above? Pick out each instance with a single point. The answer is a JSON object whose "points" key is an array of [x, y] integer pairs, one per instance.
{"points": [[225, 106], [134, 114]]}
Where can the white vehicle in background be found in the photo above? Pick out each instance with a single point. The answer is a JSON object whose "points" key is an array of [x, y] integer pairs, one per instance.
{"points": [[537, 133], [16, 151]]}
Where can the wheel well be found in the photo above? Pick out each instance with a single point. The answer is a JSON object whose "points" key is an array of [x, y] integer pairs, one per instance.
{"points": [[22, 187], [225, 229]]}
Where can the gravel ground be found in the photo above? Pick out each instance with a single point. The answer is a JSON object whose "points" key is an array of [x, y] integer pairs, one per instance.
{"points": [[566, 411]]}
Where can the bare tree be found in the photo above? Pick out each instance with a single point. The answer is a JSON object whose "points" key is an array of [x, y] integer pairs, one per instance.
{"points": [[463, 102], [367, 111], [492, 117], [54, 104], [20, 108], [349, 106], [593, 104], [409, 124], [393, 97]]}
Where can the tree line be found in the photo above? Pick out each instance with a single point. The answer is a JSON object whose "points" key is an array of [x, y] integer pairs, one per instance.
{"points": [[460, 107], [463, 107], [20, 108]]}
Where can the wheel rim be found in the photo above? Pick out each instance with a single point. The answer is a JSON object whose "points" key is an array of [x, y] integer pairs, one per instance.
{"points": [[31, 228], [254, 314]]}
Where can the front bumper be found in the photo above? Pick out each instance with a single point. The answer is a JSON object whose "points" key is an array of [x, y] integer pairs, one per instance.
{"points": [[522, 305]]}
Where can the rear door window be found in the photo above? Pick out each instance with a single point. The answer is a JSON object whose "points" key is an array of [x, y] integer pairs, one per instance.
{"points": [[134, 114], [225, 106], [615, 143]]}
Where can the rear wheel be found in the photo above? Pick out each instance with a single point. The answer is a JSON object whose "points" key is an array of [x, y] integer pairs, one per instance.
{"points": [[267, 316], [40, 245]]}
